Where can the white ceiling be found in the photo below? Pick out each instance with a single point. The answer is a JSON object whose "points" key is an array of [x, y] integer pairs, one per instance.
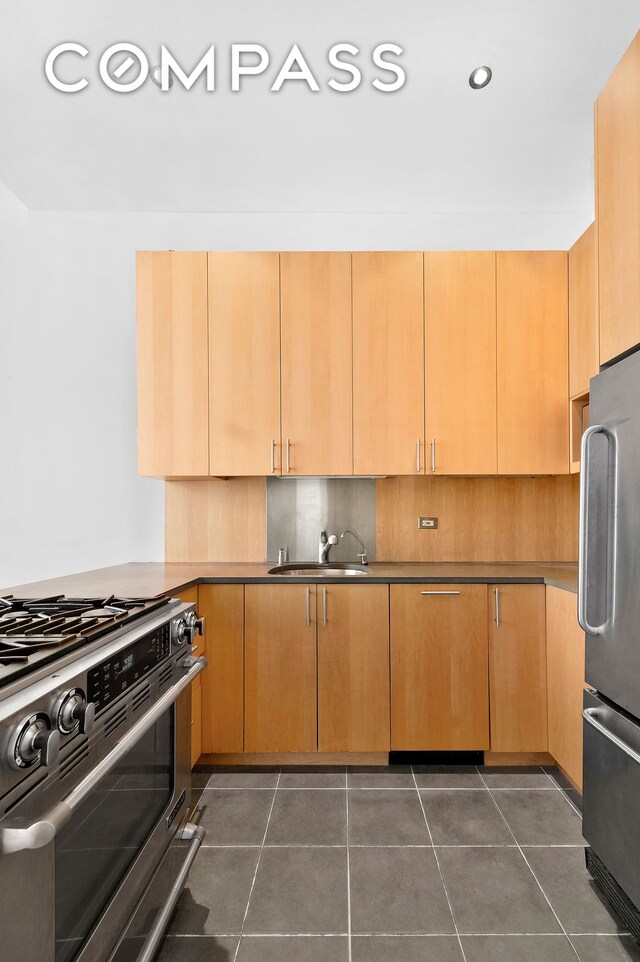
{"points": [[523, 144]]}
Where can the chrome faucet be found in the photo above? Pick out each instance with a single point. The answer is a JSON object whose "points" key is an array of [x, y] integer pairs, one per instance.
{"points": [[325, 545], [362, 554]]}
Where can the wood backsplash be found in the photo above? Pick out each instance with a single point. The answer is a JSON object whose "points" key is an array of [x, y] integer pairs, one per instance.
{"points": [[479, 519], [214, 520]]}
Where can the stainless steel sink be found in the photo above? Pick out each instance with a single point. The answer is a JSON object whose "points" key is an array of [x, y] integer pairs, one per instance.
{"points": [[309, 569]]}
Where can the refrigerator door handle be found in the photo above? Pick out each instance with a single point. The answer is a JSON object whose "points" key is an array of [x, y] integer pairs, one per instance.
{"points": [[584, 531], [590, 715]]}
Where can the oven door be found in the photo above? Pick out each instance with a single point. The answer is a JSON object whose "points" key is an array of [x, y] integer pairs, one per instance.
{"points": [[99, 847]]}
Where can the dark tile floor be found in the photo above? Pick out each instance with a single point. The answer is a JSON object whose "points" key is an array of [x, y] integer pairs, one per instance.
{"points": [[403, 865]]}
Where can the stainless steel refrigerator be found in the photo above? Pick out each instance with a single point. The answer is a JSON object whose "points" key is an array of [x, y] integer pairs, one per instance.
{"points": [[609, 613]]}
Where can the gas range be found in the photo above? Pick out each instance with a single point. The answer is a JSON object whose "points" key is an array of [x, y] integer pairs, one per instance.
{"points": [[37, 631], [63, 661], [95, 751]]}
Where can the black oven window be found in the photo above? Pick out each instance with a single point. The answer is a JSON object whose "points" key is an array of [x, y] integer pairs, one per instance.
{"points": [[96, 849]]}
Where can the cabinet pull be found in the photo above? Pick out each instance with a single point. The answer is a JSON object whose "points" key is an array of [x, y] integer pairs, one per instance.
{"points": [[324, 607], [288, 455], [418, 455], [273, 455], [439, 592], [433, 454], [497, 617], [308, 608]]}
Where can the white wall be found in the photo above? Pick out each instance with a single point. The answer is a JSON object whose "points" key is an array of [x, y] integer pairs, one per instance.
{"points": [[70, 498], [69, 495]]}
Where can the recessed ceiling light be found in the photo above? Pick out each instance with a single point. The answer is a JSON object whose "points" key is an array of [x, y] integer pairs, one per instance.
{"points": [[480, 77]]}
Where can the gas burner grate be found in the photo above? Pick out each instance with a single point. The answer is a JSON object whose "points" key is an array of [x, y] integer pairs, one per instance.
{"points": [[31, 625], [10, 653]]}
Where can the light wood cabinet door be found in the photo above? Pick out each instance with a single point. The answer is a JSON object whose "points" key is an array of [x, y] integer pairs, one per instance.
{"points": [[618, 206], [353, 668], [533, 363], [583, 313], [173, 378], [460, 362], [388, 362], [280, 668], [222, 607], [565, 681], [244, 363], [439, 668], [316, 362], [517, 668]]}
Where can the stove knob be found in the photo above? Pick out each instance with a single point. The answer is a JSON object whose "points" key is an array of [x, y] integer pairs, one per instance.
{"points": [[48, 744], [180, 632], [75, 712], [196, 624], [86, 716], [34, 741]]}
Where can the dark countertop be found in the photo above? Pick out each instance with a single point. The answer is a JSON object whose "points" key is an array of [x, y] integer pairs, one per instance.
{"points": [[152, 578]]}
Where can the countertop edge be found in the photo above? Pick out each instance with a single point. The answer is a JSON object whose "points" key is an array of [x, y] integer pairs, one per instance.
{"points": [[151, 578]]}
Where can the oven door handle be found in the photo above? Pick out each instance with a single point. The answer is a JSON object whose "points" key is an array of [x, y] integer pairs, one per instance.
{"points": [[194, 834], [40, 833]]}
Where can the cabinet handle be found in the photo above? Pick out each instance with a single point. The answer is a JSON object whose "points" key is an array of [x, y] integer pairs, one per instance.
{"points": [[273, 455], [439, 592], [418, 455], [497, 617], [433, 454], [308, 610], [324, 607], [288, 455]]}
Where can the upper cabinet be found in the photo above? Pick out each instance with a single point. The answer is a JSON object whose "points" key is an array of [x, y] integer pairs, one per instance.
{"points": [[244, 363], [460, 361], [324, 363], [388, 362], [317, 362], [618, 206], [583, 313], [173, 414], [533, 423]]}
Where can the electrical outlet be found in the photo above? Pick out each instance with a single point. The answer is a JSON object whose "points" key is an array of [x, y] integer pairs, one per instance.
{"points": [[429, 523]]}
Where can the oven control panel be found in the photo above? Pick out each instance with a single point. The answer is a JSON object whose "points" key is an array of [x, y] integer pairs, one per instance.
{"points": [[115, 675]]}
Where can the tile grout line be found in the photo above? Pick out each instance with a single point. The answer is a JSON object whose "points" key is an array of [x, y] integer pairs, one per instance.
{"points": [[387, 935], [527, 863], [365, 845], [446, 894], [255, 873], [346, 792], [373, 788]]}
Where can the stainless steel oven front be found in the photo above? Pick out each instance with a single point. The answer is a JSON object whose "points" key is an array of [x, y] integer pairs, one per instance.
{"points": [[85, 830]]}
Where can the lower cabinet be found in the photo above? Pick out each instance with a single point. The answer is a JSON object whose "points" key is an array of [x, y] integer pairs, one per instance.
{"points": [[372, 668], [518, 668], [439, 668], [316, 668], [353, 668], [565, 680], [280, 704], [222, 607]]}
